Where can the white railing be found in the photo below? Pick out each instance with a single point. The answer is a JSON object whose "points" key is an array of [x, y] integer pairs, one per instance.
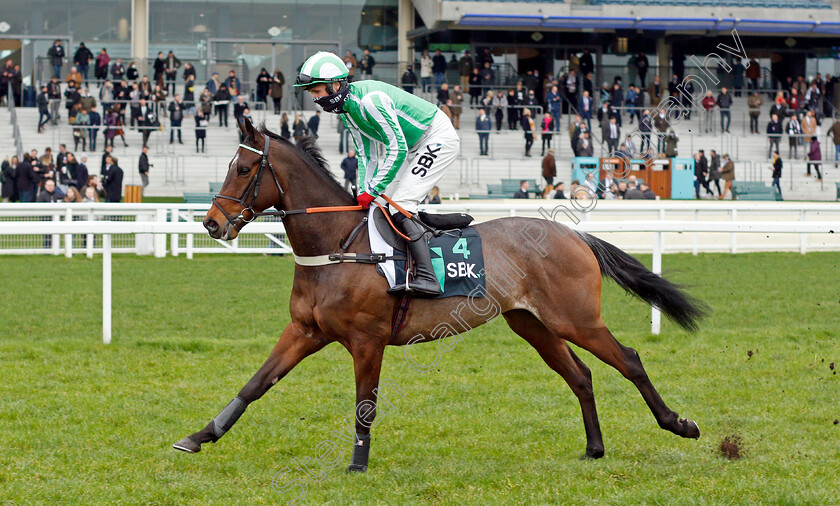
{"points": [[658, 228]]}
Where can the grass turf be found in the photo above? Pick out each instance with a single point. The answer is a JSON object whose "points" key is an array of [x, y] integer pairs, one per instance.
{"points": [[85, 422]]}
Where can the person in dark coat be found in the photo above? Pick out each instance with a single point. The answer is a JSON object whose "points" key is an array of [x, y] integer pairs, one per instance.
{"points": [[176, 116], [313, 124], [409, 80], [522, 193], [299, 129], [82, 59], [82, 173], [777, 172], [201, 122], [774, 133], [56, 54], [26, 180], [701, 171], [276, 90], [112, 180], [222, 99], [143, 166], [43, 102], [439, 68], [8, 174], [263, 85], [93, 131], [350, 166]]}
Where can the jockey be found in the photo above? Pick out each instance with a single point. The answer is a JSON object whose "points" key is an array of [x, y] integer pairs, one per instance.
{"points": [[419, 140]]}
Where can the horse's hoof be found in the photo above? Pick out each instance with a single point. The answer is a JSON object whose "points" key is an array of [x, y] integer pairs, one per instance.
{"points": [[692, 430], [187, 445], [592, 454], [356, 468]]}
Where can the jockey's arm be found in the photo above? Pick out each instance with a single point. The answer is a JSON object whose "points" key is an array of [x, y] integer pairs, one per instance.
{"points": [[380, 109]]}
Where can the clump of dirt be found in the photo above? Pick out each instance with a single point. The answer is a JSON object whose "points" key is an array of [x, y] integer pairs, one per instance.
{"points": [[732, 447], [836, 422], [749, 353], [831, 366]]}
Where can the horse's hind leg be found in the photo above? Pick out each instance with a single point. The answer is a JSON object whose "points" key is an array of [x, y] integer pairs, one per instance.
{"points": [[601, 343], [557, 354], [292, 347]]}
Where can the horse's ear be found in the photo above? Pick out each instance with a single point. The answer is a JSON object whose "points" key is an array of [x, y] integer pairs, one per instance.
{"points": [[247, 129]]}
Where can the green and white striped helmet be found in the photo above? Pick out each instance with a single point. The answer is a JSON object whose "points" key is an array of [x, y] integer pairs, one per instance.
{"points": [[322, 67]]}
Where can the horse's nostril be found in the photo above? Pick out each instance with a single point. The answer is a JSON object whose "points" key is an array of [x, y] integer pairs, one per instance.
{"points": [[211, 225]]}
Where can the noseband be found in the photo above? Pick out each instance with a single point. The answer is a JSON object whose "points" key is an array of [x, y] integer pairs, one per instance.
{"points": [[252, 190]]}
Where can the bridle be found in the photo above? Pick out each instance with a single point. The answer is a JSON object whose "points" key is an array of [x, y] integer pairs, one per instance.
{"points": [[252, 190]]}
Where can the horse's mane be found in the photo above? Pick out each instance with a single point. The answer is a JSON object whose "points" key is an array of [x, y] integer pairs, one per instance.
{"points": [[311, 154]]}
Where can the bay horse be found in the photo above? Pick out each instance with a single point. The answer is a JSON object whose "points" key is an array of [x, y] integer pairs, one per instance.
{"points": [[548, 291]]}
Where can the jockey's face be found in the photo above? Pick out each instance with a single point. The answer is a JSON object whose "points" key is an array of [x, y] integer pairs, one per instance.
{"points": [[320, 90]]}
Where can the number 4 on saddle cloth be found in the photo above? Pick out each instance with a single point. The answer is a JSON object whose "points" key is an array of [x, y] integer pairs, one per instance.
{"points": [[456, 252]]}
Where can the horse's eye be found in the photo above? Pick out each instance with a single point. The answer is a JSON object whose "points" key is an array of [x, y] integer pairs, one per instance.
{"points": [[244, 170]]}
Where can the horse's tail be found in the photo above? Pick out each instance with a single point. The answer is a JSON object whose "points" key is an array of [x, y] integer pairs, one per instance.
{"points": [[635, 278]]}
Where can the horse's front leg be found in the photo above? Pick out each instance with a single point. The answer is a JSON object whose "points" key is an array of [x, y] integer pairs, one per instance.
{"points": [[367, 363], [292, 347]]}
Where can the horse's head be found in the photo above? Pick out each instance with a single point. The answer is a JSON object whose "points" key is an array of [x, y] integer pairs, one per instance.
{"points": [[251, 186]]}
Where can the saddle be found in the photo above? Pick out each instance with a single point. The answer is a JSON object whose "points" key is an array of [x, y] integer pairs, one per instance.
{"points": [[439, 223]]}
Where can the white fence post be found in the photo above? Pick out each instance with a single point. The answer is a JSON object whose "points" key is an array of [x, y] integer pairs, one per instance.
{"points": [[68, 238], [655, 315], [174, 241], [160, 239], [56, 245], [190, 237], [106, 288], [89, 238]]}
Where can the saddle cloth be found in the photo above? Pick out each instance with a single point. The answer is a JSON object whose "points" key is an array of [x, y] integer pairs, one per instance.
{"points": [[457, 257]]}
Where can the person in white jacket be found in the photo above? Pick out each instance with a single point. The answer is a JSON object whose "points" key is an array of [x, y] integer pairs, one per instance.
{"points": [[426, 71]]}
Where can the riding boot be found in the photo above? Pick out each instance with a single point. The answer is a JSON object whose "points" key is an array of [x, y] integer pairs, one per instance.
{"points": [[425, 282]]}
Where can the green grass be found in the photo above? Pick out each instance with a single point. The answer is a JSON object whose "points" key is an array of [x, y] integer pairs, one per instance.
{"points": [[84, 422]]}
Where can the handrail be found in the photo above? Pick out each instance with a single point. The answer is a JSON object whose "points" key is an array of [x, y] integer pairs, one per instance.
{"points": [[10, 102]]}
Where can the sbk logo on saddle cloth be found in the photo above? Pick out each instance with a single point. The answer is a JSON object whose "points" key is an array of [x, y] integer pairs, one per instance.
{"points": [[458, 263]]}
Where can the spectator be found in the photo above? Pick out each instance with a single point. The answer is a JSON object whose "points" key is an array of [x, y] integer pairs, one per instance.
{"points": [[234, 86], [809, 126], [112, 180], [239, 108], [299, 128], [143, 166], [189, 95], [132, 74], [80, 133], [313, 124], [670, 142], [103, 62], [708, 104], [221, 100], [655, 91], [409, 80], [724, 102], [189, 70], [738, 76], [728, 175], [523, 189], [779, 108], [559, 191], [201, 122], [71, 97], [647, 193], [777, 172], [834, 133], [546, 133], [80, 169], [794, 131], [443, 94], [351, 63], [700, 173], [205, 103], [488, 77], [570, 88], [630, 101], [285, 132], [106, 96], [774, 133], [426, 66], [82, 59], [8, 174], [688, 88], [171, 66], [499, 103], [213, 84], [466, 68], [549, 168], [632, 192], [5, 80], [72, 195], [56, 54], [616, 102], [531, 100], [26, 180], [439, 68], [483, 126], [714, 169], [457, 98], [111, 120], [350, 166], [513, 112], [584, 146], [90, 194], [528, 128], [815, 155], [43, 102], [150, 121], [263, 86], [276, 90], [74, 76], [105, 154], [754, 103], [93, 190], [585, 110], [366, 65], [176, 117], [611, 134], [433, 197], [159, 97], [159, 67], [87, 100], [48, 194], [642, 68]]}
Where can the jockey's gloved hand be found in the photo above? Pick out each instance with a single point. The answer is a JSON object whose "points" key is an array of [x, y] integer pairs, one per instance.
{"points": [[364, 200]]}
